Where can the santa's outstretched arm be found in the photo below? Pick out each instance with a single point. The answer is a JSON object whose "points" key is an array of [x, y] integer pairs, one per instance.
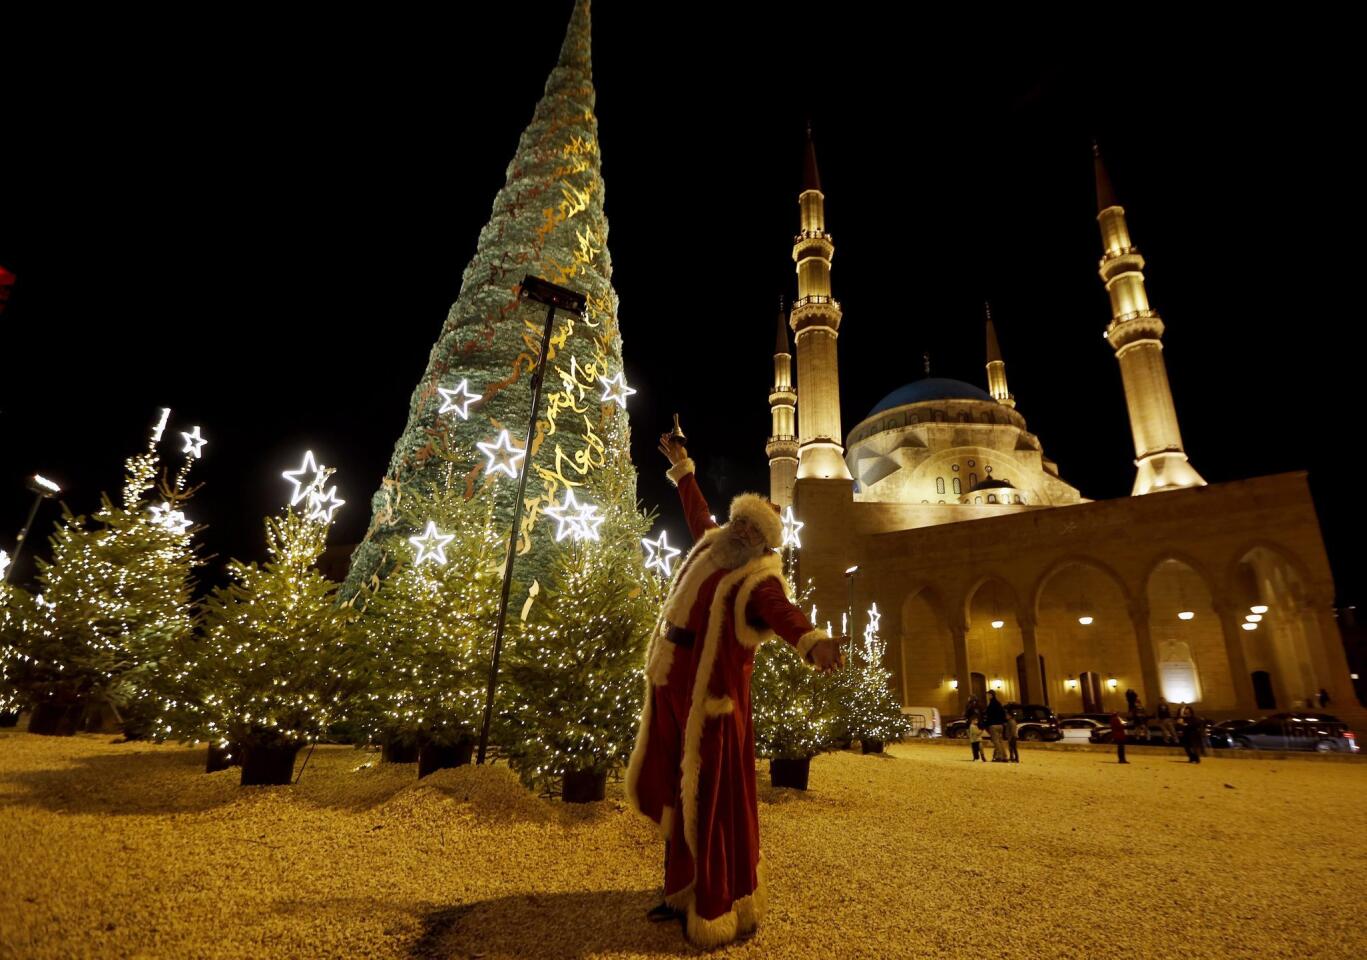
{"points": [[682, 474], [770, 604]]}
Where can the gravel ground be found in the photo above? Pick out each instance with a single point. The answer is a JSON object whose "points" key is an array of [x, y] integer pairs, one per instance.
{"points": [[129, 850]]}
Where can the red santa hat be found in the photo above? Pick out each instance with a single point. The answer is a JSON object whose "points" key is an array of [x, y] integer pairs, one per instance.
{"points": [[763, 514]]}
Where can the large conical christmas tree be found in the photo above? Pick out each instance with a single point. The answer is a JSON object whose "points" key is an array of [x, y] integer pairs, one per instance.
{"points": [[548, 222]]}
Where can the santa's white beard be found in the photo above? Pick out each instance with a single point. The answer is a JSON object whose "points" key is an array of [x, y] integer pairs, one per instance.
{"points": [[731, 551]]}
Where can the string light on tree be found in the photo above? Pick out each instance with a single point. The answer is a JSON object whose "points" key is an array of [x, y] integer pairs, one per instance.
{"points": [[503, 456], [791, 526], [160, 428], [310, 469], [431, 544], [458, 400], [194, 443], [659, 553], [615, 389]]}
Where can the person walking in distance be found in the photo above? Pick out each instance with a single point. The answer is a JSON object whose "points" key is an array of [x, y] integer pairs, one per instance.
{"points": [[1164, 714], [995, 718], [1191, 729], [1118, 735], [975, 738], [1012, 729]]}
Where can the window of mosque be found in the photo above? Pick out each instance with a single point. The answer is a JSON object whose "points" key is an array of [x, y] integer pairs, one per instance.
{"points": [[942, 501], [939, 484], [925, 501], [956, 486], [955, 468], [977, 499], [972, 477], [939, 416], [914, 418], [988, 469], [987, 418], [963, 418], [972, 463], [991, 498]]}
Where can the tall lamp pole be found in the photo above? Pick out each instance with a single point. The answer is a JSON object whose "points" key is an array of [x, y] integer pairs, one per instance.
{"points": [[541, 291], [849, 578], [44, 489]]}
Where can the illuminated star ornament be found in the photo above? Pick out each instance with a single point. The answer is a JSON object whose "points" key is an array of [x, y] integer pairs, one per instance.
{"points": [[574, 519], [194, 443], [659, 553], [874, 616], [616, 389], [432, 544], [323, 504], [308, 478], [458, 401], [172, 520], [791, 526], [503, 456]]}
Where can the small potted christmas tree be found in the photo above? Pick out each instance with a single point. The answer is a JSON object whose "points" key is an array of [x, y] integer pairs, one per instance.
{"points": [[872, 714]]}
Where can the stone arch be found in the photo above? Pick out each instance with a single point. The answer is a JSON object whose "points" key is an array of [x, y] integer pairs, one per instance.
{"points": [[1071, 588], [1286, 644], [1191, 656], [992, 650], [926, 650]]}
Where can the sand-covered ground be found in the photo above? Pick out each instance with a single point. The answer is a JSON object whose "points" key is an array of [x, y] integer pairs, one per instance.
{"points": [[129, 850]]}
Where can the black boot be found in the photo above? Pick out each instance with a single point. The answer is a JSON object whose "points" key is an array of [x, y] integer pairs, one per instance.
{"points": [[663, 913]]}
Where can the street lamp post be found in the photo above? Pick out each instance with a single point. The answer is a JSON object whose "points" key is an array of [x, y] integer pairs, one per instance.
{"points": [[849, 578], [542, 291], [43, 489]]}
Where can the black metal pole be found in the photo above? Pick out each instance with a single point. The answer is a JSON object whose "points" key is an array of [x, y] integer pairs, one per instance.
{"points": [[23, 536], [512, 536]]}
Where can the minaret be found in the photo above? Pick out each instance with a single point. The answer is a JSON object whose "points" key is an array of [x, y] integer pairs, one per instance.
{"points": [[996, 367], [782, 445], [816, 323], [1136, 335]]}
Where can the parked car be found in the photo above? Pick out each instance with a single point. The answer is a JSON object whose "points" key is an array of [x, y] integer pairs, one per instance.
{"points": [[1234, 726], [1033, 722], [1078, 729], [1298, 731]]}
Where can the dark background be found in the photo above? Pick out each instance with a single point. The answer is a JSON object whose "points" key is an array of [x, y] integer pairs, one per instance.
{"points": [[261, 222]]}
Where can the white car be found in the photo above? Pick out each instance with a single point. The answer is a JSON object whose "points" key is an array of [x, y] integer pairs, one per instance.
{"points": [[1079, 729], [925, 721]]}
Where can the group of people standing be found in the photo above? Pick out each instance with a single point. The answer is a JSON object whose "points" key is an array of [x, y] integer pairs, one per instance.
{"points": [[994, 721], [1184, 727]]}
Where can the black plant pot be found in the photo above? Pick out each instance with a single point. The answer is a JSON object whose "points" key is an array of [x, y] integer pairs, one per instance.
{"points": [[100, 718], [870, 746], [398, 751], [433, 757], [584, 786], [788, 772], [54, 719], [9, 718], [221, 758], [269, 766]]}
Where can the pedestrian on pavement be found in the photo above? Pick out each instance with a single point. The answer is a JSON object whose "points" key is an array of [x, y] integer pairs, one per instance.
{"points": [[1324, 698], [1192, 729], [995, 718], [1118, 735], [1012, 728], [975, 739], [1164, 714]]}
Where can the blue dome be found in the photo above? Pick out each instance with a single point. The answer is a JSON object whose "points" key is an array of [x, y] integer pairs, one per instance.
{"points": [[931, 388]]}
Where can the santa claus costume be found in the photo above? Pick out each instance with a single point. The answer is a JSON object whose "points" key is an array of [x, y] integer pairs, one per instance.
{"points": [[692, 771]]}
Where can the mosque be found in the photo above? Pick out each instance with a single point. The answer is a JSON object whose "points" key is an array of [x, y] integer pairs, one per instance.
{"points": [[993, 572]]}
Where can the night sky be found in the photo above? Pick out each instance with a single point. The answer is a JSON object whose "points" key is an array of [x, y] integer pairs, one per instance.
{"points": [[262, 226]]}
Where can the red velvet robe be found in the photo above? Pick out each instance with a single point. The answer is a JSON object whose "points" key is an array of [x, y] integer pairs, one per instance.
{"points": [[693, 768]]}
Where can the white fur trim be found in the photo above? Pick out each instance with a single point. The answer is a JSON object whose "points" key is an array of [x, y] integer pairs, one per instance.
{"points": [[661, 661], [709, 934], [696, 568], [746, 635], [758, 511], [680, 470], [750, 910], [666, 822], [719, 706], [810, 639]]}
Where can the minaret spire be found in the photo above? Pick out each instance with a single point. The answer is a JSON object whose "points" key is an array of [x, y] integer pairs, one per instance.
{"points": [[996, 367], [1136, 335], [782, 446], [816, 324]]}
